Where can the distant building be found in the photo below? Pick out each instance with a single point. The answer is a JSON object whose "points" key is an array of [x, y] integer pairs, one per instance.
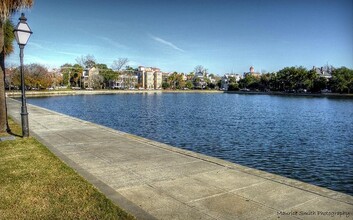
{"points": [[325, 72], [200, 80], [150, 77], [165, 76], [227, 78], [157, 79], [88, 75], [252, 73], [126, 80]]}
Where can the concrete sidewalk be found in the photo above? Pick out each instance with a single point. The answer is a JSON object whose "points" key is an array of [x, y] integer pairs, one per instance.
{"points": [[152, 180]]}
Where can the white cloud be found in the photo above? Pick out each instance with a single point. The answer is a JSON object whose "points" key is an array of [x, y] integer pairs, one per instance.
{"points": [[170, 44], [69, 53], [112, 42], [35, 59], [36, 45]]}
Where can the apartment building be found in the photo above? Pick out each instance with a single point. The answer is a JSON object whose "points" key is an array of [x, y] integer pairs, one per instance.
{"points": [[150, 77]]}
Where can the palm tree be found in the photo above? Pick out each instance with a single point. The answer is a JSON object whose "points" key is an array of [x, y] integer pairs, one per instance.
{"points": [[7, 8], [9, 37], [8, 49]]}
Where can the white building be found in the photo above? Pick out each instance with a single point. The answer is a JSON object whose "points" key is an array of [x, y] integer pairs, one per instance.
{"points": [[126, 80], [226, 79], [200, 80], [325, 72], [91, 78], [150, 77]]}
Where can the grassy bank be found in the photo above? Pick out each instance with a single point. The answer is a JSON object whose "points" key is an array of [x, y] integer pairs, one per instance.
{"points": [[35, 184]]}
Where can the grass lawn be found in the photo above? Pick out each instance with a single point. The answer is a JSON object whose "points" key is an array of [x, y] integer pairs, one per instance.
{"points": [[35, 184]]}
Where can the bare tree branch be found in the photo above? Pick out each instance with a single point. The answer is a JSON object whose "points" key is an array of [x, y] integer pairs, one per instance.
{"points": [[200, 69], [119, 63], [87, 61]]}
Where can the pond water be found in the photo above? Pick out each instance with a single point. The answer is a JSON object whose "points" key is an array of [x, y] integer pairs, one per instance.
{"points": [[305, 138]]}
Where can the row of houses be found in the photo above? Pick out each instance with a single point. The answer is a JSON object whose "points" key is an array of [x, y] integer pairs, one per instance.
{"points": [[145, 77], [153, 78], [228, 78]]}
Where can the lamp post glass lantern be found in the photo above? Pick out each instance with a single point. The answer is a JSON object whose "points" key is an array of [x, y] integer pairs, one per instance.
{"points": [[22, 33]]}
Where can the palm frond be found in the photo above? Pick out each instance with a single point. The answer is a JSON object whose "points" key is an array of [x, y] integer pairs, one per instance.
{"points": [[7, 7]]}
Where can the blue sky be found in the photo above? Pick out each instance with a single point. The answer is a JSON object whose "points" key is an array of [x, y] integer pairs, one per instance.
{"points": [[222, 35]]}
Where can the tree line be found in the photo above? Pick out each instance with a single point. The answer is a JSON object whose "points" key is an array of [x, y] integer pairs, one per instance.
{"points": [[299, 79], [288, 79], [38, 77], [73, 74]]}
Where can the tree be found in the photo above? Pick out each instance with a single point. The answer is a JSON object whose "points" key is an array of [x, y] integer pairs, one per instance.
{"points": [[165, 85], [57, 79], [319, 84], [8, 79], [190, 76], [176, 80], [249, 81], [9, 37], [173, 79], [232, 80], [342, 80], [189, 84], [77, 74], [265, 81], [106, 73], [13, 78], [119, 63], [200, 69], [65, 70], [37, 76], [181, 82], [7, 8], [233, 86], [291, 78], [95, 81], [72, 74], [8, 46], [87, 61], [129, 69], [308, 79]]}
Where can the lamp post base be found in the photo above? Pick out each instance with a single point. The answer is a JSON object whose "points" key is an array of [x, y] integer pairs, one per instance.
{"points": [[24, 120]]}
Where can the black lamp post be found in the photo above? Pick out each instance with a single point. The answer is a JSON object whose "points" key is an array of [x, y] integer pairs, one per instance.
{"points": [[22, 33]]}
